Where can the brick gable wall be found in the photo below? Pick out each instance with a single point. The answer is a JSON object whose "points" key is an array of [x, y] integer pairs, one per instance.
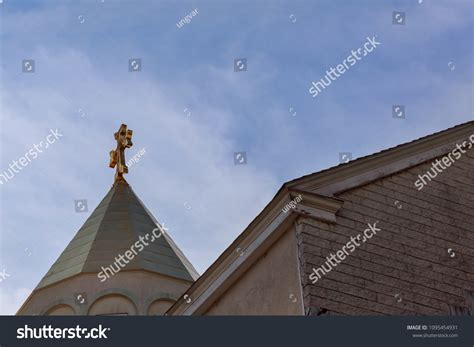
{"points": [[405, 269]]}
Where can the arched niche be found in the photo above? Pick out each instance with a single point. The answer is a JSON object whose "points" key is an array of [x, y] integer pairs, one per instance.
{"points": [[159, 307], [60, 310], [112, 304]]}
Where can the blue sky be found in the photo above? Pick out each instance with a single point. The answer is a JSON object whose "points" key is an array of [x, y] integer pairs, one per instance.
{"points": [[82, 86]]}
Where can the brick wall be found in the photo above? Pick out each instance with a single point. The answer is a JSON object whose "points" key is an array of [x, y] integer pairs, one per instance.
{"points": [[405, 268]]}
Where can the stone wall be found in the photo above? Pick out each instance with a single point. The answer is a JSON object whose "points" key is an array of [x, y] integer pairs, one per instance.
{"points": [[420, 262]]}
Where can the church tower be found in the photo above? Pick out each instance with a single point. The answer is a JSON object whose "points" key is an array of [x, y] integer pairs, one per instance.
{"points": [[120, 262]]}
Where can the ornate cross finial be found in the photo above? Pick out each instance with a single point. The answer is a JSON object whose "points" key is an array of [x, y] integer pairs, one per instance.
{"points": [[117, 157]]}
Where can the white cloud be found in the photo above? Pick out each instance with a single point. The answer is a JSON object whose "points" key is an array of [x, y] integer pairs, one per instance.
{"points": [[187, 159]]}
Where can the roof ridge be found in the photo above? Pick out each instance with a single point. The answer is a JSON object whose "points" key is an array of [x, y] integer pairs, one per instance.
{"points": [[100, 223], [383, 151], [60, 257], [178, 252], [140, 258]]}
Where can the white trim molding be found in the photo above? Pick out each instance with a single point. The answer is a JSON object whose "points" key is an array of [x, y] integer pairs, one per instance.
{"points": [[250, 246]]}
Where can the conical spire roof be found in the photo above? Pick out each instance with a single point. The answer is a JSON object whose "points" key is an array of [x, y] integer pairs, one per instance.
{"points": [[114, 226]]}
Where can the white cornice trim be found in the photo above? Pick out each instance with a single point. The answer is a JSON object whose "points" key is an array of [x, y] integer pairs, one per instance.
{"points": [[315, 190], [316, 206], [250, 246], [365, 170]]}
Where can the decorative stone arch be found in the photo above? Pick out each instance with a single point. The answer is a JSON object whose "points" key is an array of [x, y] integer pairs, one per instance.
{"points": [[62, 307], [125, 299], [159, 302]]}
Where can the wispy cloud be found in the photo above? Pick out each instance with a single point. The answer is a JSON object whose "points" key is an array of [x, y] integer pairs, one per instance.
{"points": [[188, 179]]}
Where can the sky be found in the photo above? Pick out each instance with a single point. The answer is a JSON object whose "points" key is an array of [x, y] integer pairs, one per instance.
{"points": [[191, 111]]}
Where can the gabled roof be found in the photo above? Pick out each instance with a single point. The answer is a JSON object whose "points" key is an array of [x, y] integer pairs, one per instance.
{"points": [[388, 161], [324, 186], [113, 227]]}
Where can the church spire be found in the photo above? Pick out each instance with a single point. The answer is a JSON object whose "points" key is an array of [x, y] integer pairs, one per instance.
{"points": [[117, 156]]}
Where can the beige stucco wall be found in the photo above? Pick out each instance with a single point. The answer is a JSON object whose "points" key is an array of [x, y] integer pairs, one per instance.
{"points": [[270, 287], [130, 292]]}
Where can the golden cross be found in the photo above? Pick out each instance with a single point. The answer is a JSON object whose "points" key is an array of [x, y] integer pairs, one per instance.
{"points": [[117, 157]]}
